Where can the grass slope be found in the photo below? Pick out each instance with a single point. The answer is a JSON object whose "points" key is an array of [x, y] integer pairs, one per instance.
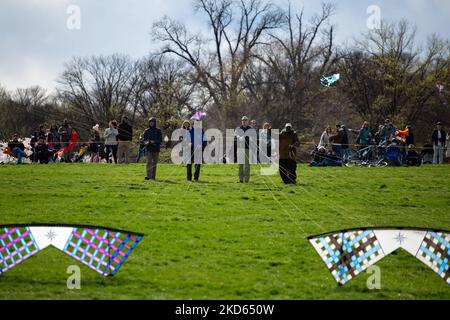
{"points": [[218, 239]]}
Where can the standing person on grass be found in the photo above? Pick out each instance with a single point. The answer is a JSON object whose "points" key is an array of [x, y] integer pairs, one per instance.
{"points": [[152, 140], [288, 144], [124, 138], [243, 149], [197, 142], [111, 141], [439, 139]]}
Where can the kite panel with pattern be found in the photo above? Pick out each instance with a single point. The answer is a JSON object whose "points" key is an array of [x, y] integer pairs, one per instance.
{"points": [[435, 253], [101, 250], [348, 254], [16, 245]]}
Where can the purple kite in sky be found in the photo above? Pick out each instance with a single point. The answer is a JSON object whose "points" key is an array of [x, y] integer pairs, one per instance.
{"points": [[198, 115]]}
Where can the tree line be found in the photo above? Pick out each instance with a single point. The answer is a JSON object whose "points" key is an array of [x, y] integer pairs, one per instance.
{"points": [[254, 58]]}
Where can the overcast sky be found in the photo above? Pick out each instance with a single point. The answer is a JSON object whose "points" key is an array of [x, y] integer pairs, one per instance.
{"points": [[35, 40]]}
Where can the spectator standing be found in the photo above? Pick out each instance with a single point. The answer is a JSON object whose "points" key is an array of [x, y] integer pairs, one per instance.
{"points": [[152, 139], [341, 145], [364, 137], [439, 139], [111, 141], [409, 139], [64, 135], [325, 138], [55, 134], [94, 151], [388, 131], [125, 139], [288, 165], [265, 141]]}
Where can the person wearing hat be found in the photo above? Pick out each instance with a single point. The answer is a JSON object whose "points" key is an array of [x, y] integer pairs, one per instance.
{"points": [[439, 139], [288, 165], [152, 140], [244, 168]]}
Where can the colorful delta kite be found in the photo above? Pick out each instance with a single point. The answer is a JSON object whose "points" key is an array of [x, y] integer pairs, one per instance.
{"points": [[101, 249], [198, 115], [328, 81], [348, 253]]}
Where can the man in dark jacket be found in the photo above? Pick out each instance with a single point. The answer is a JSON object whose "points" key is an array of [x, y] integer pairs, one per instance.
{"points": [[152, 139], [124, 138], [288, 165], [339, 141], [17, 148], [439, 139]]}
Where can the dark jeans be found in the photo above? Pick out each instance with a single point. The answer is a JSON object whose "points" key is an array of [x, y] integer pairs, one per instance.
{"points": [[337, 149], [113, 150], [288, 170], [19, 154], [197, 167]]}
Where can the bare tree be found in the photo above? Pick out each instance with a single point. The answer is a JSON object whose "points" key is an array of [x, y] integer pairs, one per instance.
{"points": [[291, 64], [23, 110], [99, 88], [237, 28], [388, 75], [164, 89]]}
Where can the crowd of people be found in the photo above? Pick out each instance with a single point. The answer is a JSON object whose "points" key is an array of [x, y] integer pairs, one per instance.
{"points": [[60, 144], [395, 147]]}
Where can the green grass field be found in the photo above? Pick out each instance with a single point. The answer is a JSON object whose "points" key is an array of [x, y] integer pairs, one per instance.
{"points": [[219, 239]]}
